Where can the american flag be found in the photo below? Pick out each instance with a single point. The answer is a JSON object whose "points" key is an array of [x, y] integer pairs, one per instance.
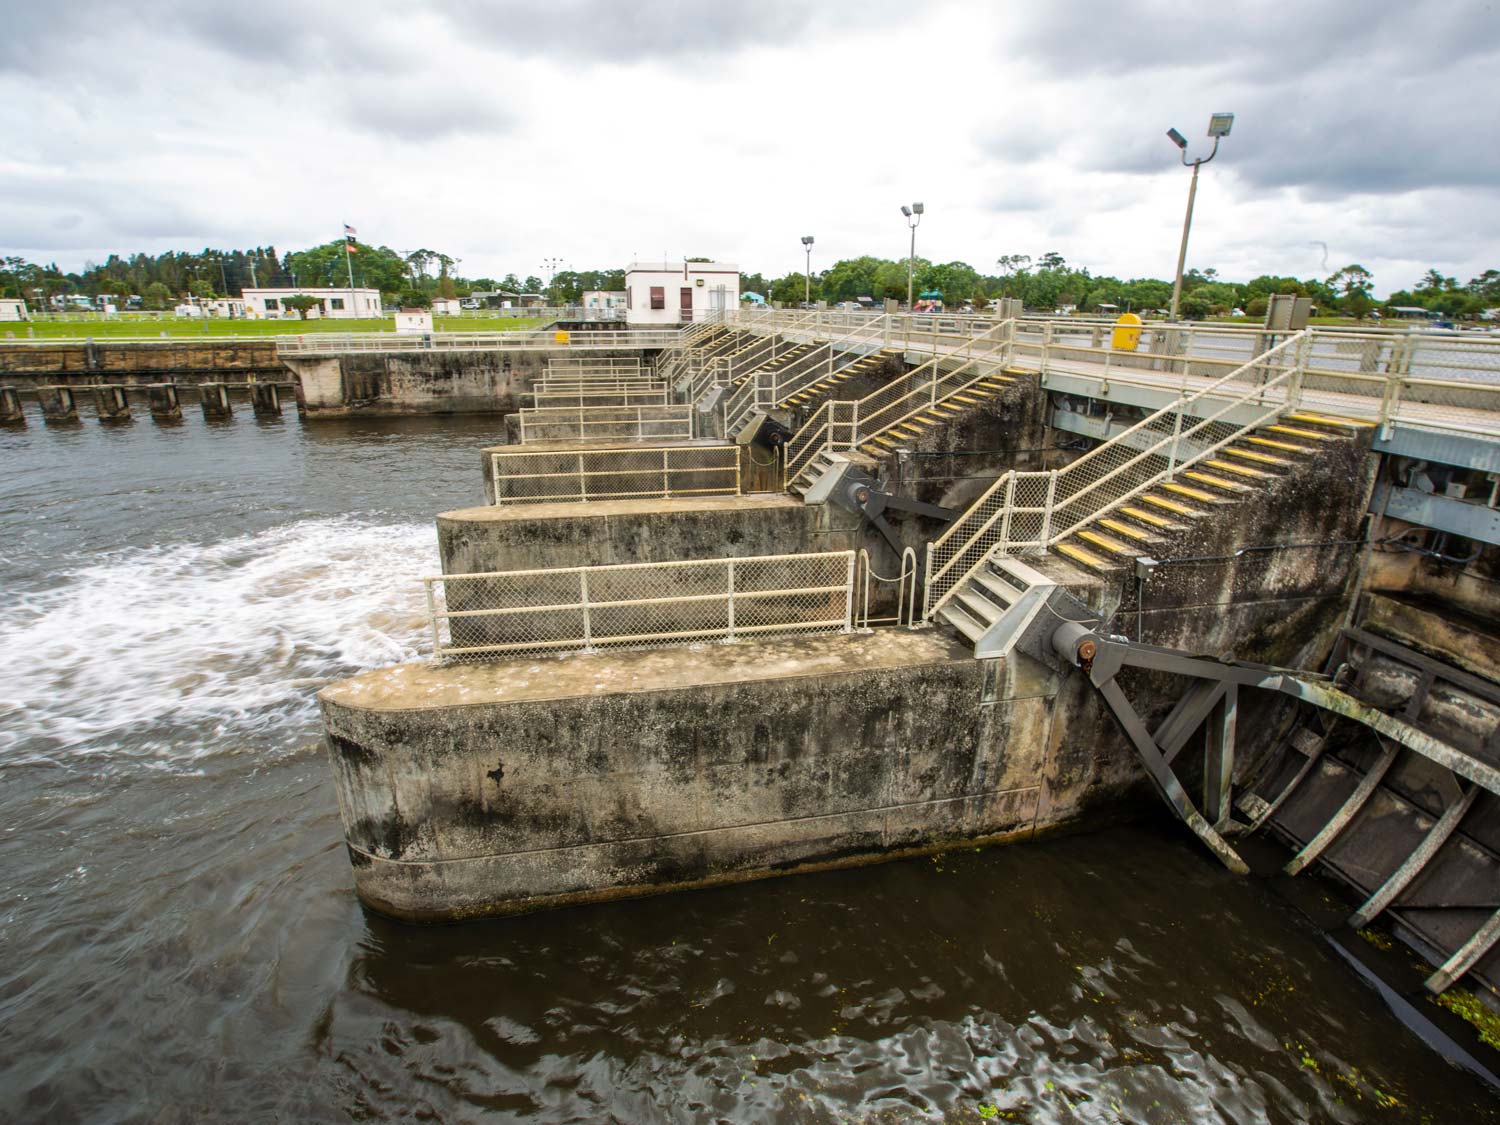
{"points": [[349, 231]]}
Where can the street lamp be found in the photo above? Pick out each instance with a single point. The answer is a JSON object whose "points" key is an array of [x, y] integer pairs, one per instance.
{"points": [[1218, 127], [807, 245], [913, 217]]}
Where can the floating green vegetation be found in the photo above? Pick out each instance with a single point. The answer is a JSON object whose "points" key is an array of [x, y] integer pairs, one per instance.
{"points": [[1379, 940], [1464, 1004]]}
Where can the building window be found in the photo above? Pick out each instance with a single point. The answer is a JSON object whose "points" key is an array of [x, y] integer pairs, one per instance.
{"points": [[336, 302], [272, 304], [658, 296]]}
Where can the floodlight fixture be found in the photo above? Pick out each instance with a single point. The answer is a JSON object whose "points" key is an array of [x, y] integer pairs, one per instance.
{"points": [[905, 210], [1177, 138], [807, 240], [807, 245], [1220, 124], [917, 207]]}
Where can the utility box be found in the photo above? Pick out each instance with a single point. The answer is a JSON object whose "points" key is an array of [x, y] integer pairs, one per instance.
{"points": [[1286, 313], [1008, 308]]}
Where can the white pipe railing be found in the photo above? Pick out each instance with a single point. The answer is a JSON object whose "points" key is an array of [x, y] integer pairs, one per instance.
{"points": [[601, 423], [648, 472]]}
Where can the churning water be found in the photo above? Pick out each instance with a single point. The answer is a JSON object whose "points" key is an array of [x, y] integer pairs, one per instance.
{"points": [[179, 940]]}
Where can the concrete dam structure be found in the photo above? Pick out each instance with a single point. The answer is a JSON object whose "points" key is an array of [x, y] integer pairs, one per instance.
{"points": [[802, 590]]}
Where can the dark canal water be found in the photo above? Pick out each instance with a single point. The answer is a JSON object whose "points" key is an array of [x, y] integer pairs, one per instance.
{"points": [[179, 940]]}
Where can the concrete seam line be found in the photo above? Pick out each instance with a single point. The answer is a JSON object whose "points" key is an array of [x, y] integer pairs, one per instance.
{"points": [[697, 831]]}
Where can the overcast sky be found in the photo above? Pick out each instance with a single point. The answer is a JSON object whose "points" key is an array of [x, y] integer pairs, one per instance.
{"points": [[597, 131]]}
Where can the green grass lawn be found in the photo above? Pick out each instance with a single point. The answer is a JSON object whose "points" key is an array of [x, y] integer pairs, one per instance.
{"points": [[145, 327]]}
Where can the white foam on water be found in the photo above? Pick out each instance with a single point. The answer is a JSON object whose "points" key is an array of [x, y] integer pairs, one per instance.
{"points": [[176, 652]]}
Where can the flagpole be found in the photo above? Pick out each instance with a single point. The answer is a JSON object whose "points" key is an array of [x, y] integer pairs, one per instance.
{"points": [[349, 262]]}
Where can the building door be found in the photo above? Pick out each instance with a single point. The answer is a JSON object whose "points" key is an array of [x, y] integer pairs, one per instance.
{"points": [[687, 303]]}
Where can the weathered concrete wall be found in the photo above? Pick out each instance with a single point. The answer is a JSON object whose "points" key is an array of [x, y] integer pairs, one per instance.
{"points": [[424, 382], [136, 363], [525, 537], [510, 787]]}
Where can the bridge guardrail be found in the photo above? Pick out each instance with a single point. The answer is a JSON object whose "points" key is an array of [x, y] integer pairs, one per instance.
{"points": [[489, 616]]}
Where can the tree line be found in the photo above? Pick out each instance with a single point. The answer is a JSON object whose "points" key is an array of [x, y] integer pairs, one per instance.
{"points": [[1043, 283]]}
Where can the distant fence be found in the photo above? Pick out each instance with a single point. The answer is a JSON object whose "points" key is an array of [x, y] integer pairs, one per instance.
{"points": [[520, 477], [639, 605]]}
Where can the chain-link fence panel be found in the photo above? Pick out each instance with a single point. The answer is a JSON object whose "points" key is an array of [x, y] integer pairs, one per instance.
{"points": [[606, 423], [615, 474], [639, 605]]}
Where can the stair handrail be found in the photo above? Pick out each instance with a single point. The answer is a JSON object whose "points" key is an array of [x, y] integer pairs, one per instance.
{"points": [[997, 504], [763, 390], [868, 415]]}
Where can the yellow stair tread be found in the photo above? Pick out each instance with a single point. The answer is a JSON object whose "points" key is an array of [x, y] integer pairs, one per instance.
{"points": [[1239, 470], [1271, 443], [1191, 493], [1295, 432], [1251, 455], [1139, 534], [1217, 482], [1331, 420], [1151, 518], [1078, 554], [927, 419], [1113, 546]]}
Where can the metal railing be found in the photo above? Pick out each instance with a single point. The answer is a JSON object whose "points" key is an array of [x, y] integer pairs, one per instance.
{"points": [[554, 399], [639, 605], [1034, 510], [582, 367], [521, 477], [606, 423], [844, 425], [333, 343], [762, 391]]}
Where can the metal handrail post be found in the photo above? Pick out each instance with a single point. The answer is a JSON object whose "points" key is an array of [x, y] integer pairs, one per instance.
{"points": [[1046, 535], [437, 644], [583, 602], [729, 569]]}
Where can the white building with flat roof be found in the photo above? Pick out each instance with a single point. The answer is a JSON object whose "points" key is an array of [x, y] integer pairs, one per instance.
{"points": [[338, 303], [679, 292]]}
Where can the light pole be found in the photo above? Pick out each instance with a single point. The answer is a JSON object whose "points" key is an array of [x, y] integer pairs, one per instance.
{"points": [[913, 218], [550, 265], [807, 244], [1218, 127]]}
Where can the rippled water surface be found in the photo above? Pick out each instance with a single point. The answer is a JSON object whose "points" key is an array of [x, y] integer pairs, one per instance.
{"points": [[179, 940]]}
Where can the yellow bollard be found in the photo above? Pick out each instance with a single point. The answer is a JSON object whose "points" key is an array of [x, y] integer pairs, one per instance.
{"points": [[1127, 333]]}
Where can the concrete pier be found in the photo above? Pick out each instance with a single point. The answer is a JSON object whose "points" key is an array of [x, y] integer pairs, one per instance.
{"points": [[265, 400], [164, 402], [58, 407], [11, 413], [112, 403], [506, 787], [216, 405]]}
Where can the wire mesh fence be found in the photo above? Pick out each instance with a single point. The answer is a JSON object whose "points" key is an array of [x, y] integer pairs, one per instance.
{"points": [[477, 617], [553, 399], [520, 477], [606, 423]]}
